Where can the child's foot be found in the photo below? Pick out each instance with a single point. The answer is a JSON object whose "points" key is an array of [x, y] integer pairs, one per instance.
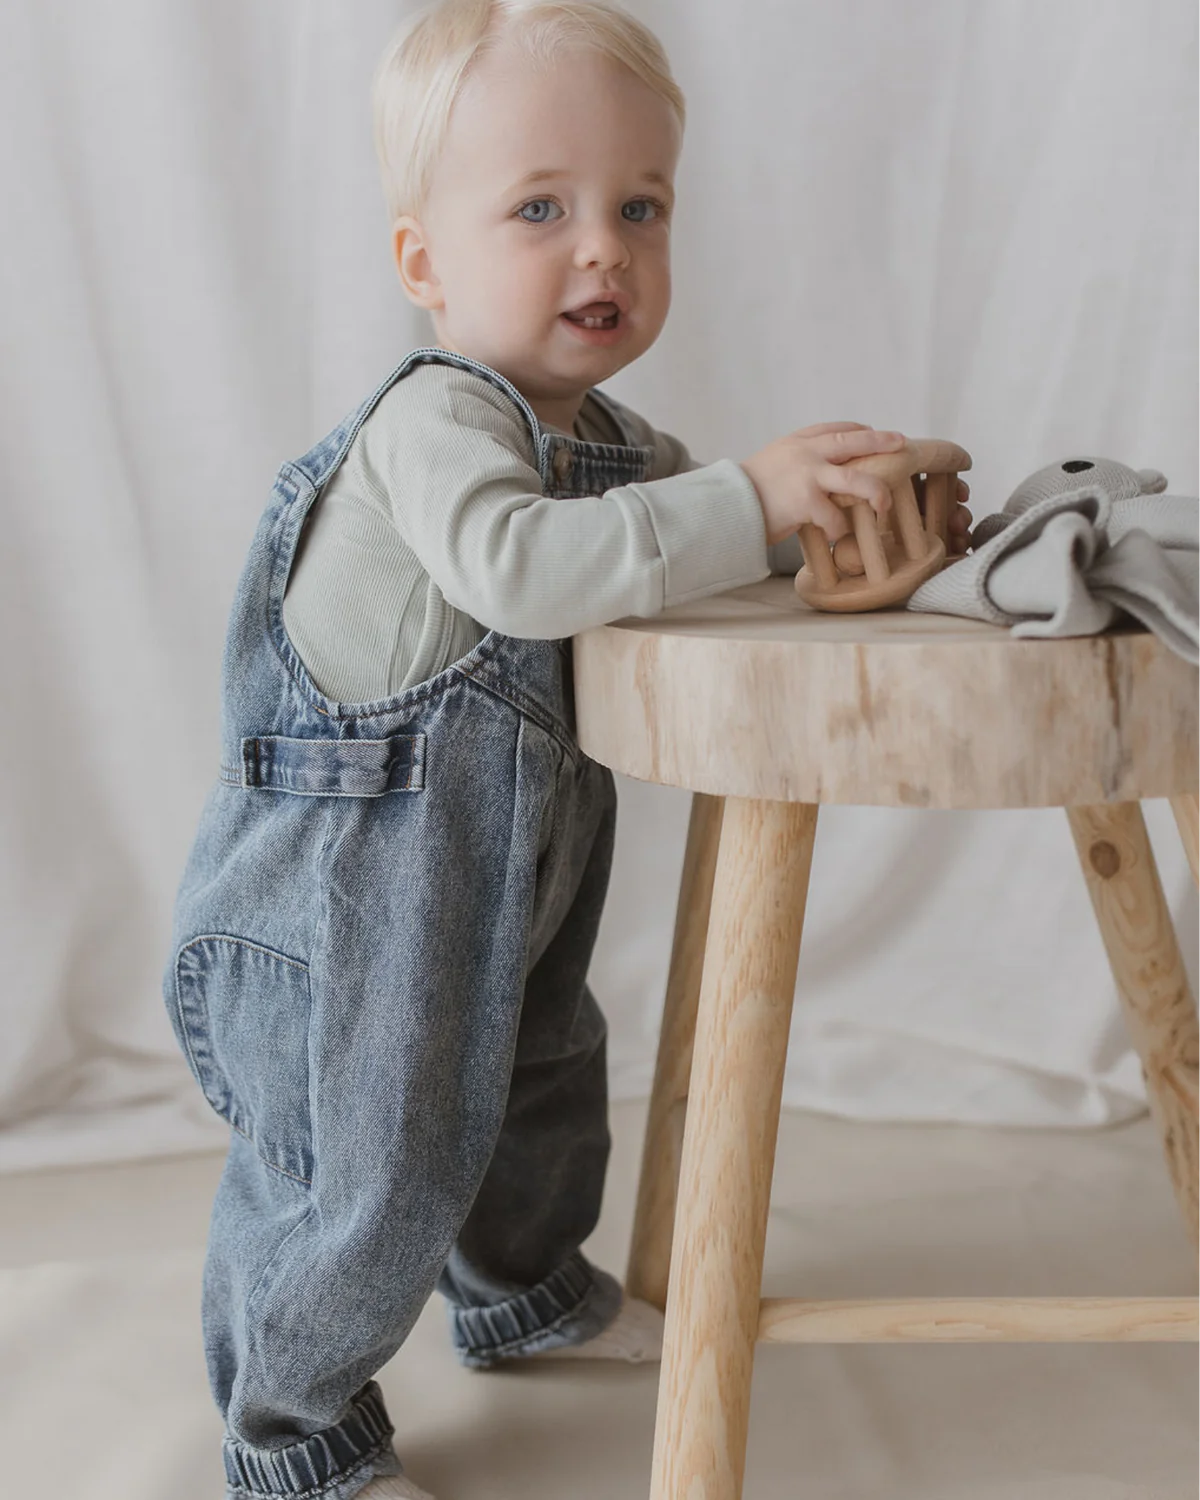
{"points": [[393, 1488], [635, 1334]]}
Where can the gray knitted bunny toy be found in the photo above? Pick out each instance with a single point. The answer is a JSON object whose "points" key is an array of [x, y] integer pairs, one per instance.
{"points": [[1081, 545], [1118, 481]]}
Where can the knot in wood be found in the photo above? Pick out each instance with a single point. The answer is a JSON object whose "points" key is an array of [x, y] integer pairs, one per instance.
{"points": [[1105, 859]]}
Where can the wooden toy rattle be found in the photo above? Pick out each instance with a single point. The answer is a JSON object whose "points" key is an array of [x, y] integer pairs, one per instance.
{"points": [[873, 567]]}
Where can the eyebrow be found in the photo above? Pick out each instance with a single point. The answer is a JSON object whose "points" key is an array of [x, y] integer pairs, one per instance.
{"points": [[542, 173]]}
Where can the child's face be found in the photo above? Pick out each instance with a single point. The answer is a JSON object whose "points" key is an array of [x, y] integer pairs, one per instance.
{"points": [[499, 260]]}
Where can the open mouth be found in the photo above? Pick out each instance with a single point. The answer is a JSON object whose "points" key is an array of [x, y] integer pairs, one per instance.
{"points": [[595, 315]]}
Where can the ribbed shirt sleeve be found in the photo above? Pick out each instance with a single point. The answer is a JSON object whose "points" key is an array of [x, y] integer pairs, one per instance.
{"points": [[457, 465], [782, 557]]}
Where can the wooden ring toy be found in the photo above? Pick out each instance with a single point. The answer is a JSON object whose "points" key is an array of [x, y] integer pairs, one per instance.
{"points": [[887, 558]]}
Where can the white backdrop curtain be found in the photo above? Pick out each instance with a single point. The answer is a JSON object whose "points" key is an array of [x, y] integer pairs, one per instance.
{"points": [[966, 220]]}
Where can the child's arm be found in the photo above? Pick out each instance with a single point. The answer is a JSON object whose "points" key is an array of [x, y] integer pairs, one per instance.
{"points": [[674, 458], [786, 556], [456, 467], [457, 464]]}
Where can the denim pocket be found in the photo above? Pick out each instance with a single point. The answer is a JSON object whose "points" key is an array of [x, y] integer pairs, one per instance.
{"points": [[242, 1016]]}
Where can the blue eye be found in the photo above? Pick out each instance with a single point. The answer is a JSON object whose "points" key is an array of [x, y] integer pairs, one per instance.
{"points": [[535, 203], [660, 210]]}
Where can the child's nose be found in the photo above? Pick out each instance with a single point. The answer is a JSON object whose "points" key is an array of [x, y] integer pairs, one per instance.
{"points": [[601, 245]]}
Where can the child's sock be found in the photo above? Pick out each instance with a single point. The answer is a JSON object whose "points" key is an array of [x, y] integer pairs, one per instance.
{"points": [[393, 1488], [635, 1334]]}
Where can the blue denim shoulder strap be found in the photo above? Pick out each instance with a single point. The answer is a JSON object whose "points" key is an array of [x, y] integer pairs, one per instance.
{"points": [[323, 458], [634, 461]]}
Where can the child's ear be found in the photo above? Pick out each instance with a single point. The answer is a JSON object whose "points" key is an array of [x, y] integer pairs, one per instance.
{"points": [[411, 255]]}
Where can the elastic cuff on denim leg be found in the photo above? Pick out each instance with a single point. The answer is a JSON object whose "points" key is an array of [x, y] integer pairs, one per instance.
{"points": [[321, 1464], [571, 1305]]}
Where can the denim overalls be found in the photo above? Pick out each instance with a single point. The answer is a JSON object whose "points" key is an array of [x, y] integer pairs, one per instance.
{"points": [[378, 976]]}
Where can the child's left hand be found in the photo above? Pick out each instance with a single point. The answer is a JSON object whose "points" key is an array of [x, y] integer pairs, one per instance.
{"points": [[959, 522]]}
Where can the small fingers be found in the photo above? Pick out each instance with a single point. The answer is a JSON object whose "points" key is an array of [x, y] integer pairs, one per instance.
{"points": [[856, 442], [959, 530], [835, 480], [831, 518], [821, 428]]}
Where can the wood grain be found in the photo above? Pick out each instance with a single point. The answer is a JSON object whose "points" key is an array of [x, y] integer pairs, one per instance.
{"points": [[975, 1320], [1156, 996], [751, 694], [729, 1139], [654, 1216], [1184, 807]]}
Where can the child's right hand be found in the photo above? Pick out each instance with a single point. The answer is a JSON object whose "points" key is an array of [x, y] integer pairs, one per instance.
{"points": [[796, 474]]}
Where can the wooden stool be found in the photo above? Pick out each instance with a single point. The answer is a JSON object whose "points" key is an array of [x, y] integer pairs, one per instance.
{"points": [[765, 709], [876, 567]]}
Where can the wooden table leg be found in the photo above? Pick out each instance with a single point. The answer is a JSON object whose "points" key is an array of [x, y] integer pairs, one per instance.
{"points": [[654, 1216], [1135, 923], [1187, 815], [729, 1140]]}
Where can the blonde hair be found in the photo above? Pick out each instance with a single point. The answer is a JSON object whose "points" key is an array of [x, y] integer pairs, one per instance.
{"points": [[426, 63]]}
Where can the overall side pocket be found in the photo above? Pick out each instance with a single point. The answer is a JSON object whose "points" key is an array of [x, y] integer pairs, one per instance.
{"points": [[242, 1014]]}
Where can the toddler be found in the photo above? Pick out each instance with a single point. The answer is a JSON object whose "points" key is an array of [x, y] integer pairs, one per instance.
{"points": [[379, 960]]}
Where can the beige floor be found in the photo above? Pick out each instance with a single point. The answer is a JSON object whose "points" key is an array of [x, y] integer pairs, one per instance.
{"points": [[102, 1391]]}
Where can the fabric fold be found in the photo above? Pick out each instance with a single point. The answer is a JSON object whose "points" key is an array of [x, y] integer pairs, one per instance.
{"points": [[1076, 563]]}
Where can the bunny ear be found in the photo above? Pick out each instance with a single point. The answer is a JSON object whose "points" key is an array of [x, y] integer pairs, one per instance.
{"points": [[1153, 483]]}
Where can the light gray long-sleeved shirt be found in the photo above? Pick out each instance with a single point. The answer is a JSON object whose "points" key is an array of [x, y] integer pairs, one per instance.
{"points": [[434, 530]]}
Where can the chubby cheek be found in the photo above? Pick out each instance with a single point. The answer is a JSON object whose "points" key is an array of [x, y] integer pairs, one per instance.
{"points": [[655, 286], [544, 289], [485, 290], [651, 312], [515, 276]]}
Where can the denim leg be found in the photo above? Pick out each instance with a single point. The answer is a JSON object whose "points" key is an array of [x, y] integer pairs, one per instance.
{"points": [[416, 983], [264, 1211], [516, 1279]]}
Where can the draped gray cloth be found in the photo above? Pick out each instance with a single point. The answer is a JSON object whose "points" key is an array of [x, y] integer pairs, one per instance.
{"points": [[1075, 563]]}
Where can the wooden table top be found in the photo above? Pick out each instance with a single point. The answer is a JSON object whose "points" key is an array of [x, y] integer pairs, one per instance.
{"points": [[750, 693]]}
